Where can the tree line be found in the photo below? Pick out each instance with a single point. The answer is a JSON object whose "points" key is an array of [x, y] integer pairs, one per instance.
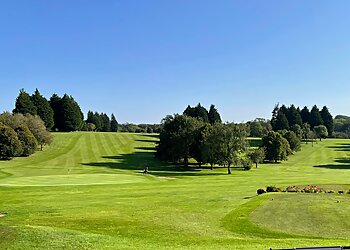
{"points": [[200, 135]]}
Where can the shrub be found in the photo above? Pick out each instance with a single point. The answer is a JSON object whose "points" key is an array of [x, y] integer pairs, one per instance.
{"points": [[270, 189], [330, 191], [293, 189], [312, 189], [340, 192], [260, 191]]}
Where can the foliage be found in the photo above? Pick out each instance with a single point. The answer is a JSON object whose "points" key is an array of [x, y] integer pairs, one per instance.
{"points": [[213, 115], [276, 147], [257, 156], [197, 112], [260, 191], [315, 117], [321, 131], [24, 104], [10, 145], [28, 142], [293, 140], [38, 129], [327, 119], [44, 110], [114, 124], [177, 137], [259, 127]]}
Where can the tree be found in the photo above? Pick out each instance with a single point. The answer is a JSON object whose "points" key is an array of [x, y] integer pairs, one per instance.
{"points": [[44, 110], [211, 145], [197, 112], [306, 130], [114, 124], [315, 117], [321, 131], [28, 142], [177, 137], [293, 140], [10, 145], [90, 127], [24, 104], [233, 143], [106, 123], [197, 148], [56, 105], [214, 115], [296, 128], [72, 115], [257, 155], [38, 129], [276, 147], [327, 120], [305, 115], [281, 122], [293, 116]]}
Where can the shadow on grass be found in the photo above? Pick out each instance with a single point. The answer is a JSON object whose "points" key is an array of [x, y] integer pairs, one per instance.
{"points": [[341, 147], [138, 161], [344, 163]]}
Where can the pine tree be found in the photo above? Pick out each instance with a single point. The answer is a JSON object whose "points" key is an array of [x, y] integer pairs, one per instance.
{"points": [[327, 120], [56, 105], [305, 115], [106, 123], [43, 108], [213, 115], [114, 124], [72, 115], [24, 104], [315, 117], [293, 116]]}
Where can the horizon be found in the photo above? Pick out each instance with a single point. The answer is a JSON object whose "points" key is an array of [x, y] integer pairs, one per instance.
{"points": [[143, 61]]}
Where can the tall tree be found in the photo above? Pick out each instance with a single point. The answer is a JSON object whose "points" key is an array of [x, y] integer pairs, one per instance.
{"points": [[315, 117], [213, 115], [197, 112], [38, 129], [281, 122], [177, 137], [233, 144], [106, 123], [72, 115], [114, 124], [56, 105], [276, 147], [293, 116], [43, 108], [28, 141], [305, 115], [24, 104], [327, 120]]}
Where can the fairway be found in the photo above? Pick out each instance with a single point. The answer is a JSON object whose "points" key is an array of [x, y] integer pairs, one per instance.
{"points": [[87, 191]]}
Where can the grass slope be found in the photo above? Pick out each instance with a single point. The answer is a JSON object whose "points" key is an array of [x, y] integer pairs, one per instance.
{"points": [[86, 191]]}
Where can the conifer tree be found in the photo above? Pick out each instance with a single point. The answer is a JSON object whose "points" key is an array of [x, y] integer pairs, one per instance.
{"points": [[43, 108], [114, 124], [24, 104]]}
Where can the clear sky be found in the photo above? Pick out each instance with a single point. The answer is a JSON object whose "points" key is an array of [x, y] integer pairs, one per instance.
{"points": [[145, 59]]}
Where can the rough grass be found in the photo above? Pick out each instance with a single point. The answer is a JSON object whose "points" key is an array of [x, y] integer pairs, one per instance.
{"points": [[86, 191]]}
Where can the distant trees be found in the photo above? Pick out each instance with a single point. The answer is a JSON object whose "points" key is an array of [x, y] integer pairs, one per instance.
{"points": [[213, 115], [257, 155], [259, 127], [114, 125], [284, 118], [183, 137]]}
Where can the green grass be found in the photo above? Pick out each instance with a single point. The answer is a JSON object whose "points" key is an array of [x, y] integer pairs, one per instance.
{"points": [[86, 191]]}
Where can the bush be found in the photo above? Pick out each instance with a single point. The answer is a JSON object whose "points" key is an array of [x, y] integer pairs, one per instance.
{"points": [[260, 191], [271, 189], [293, 189], [312, 189], [330, 191], [340, 192], [10, 145], [247, 164]]}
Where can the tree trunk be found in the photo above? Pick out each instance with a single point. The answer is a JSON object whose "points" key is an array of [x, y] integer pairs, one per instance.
{"points": [[229, 168], [186, 161], [199, 164], [256, 164], [41, 147], [211, 166]]}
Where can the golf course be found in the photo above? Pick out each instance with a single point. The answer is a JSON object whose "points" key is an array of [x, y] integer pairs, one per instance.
{"points": [[87, 191]]}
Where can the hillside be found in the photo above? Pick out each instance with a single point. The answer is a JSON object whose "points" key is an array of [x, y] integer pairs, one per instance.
{"points": [[86, 191]]}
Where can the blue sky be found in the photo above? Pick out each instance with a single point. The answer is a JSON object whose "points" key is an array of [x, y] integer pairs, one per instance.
{"points": [[143, 60]]}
